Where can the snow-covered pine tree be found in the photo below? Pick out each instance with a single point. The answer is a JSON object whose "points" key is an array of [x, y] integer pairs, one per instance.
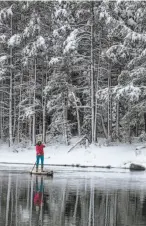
{"points": [[126, 32], [83, 47], [8, 65], [36, 37]]}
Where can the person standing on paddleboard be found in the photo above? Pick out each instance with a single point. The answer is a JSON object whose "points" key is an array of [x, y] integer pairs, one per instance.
{"points": [[39, 155]]}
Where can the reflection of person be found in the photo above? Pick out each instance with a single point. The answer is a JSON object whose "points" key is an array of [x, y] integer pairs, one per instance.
{"points": [[39, 155], [38, 200], [38, 195]]}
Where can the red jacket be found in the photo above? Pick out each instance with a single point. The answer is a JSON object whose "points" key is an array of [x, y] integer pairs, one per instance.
{"points": [[40, 149]]}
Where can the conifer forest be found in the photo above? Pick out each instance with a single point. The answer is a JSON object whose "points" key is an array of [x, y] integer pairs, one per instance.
{"points": [[72, 68]]}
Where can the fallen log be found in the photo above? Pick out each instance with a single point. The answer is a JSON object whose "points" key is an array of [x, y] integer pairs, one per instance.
{"points": [[76, 144]]}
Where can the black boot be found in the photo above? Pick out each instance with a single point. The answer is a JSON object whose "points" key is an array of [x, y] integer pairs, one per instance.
{"points": [[41, 168], [36, 168]]}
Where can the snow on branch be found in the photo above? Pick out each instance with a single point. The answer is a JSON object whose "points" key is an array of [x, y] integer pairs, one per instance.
{"points": [[15, 40], [58, 32], [139, 72], [2, 72], [61, 12], [40, 42], [129, 91], [6, 12], [103, 94], [73, 99], [117, 52], [120, 28], [138, 60], [33, 26], [28, 112], [71, 43], [134, 37], [54, 60], [3, 59], [3, 38], [9, 11], [33, 48]]}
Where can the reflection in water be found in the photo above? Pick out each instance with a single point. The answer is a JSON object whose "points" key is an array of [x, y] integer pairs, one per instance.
{"points": [[40, 201]]}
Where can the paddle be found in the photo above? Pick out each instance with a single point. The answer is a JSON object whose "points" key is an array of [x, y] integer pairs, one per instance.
{"points": [[33, 167]]}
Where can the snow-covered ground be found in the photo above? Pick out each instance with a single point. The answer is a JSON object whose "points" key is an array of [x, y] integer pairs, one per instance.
{"points": [[120, 155]]}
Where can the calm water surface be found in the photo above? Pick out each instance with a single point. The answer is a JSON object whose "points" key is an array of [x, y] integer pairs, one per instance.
{"points": [[73, 198]]}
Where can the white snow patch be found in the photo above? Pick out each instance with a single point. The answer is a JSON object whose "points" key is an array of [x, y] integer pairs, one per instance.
{"points": [[117, 156], [2, 72], [9, 11], [130, 91], [2, 38], [60, 12], [3, 59], [14, 40], [54, 60], [71, 43], [29, 112], [40, 42], [55, 33]]}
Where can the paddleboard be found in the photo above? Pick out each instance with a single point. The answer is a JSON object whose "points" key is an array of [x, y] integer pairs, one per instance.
{"points": [[47, 173]]}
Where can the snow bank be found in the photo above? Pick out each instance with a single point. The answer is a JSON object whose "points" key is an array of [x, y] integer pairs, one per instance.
{"points": [[115, 156]]}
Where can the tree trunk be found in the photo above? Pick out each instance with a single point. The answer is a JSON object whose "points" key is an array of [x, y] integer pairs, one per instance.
{"points": [[65, 121], [104, 128], [44, 112], [10, 96], [1, 115], [109, 106], [98, 74], [14, 121], [145, 121], [78, 116], [20, 93], [44, 121], [117, 120], [78, 120], [34, 102], [129, 126], [76, 144], [30, 119], [92, 73], [136, 124]]}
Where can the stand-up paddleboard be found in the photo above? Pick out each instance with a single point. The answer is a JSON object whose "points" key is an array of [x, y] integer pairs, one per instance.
{"points": [[45, 173]]}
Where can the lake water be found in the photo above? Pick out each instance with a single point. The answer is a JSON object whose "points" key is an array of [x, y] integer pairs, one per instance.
{"points": [[73, 197]]}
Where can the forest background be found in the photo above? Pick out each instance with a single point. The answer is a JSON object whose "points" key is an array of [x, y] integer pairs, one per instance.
{"points": [[72, 68]]}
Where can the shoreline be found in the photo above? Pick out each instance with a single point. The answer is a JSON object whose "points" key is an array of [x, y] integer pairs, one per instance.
{"points": [[66, 165]]}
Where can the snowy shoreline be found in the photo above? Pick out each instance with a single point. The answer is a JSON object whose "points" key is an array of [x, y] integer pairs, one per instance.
{"points": [[116, 156], [65, 165]]}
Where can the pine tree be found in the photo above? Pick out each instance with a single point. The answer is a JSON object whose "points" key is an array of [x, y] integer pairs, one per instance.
{"points": [[129, 55]]}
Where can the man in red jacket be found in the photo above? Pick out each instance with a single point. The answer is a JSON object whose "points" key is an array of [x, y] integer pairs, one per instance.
{"points": [[39, 155]]}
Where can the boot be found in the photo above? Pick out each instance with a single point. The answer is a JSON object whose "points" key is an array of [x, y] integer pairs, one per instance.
{"points": [[41, 168]]}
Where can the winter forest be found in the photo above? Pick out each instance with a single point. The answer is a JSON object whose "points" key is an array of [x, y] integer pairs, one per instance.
{"points": [[72, 68]]}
